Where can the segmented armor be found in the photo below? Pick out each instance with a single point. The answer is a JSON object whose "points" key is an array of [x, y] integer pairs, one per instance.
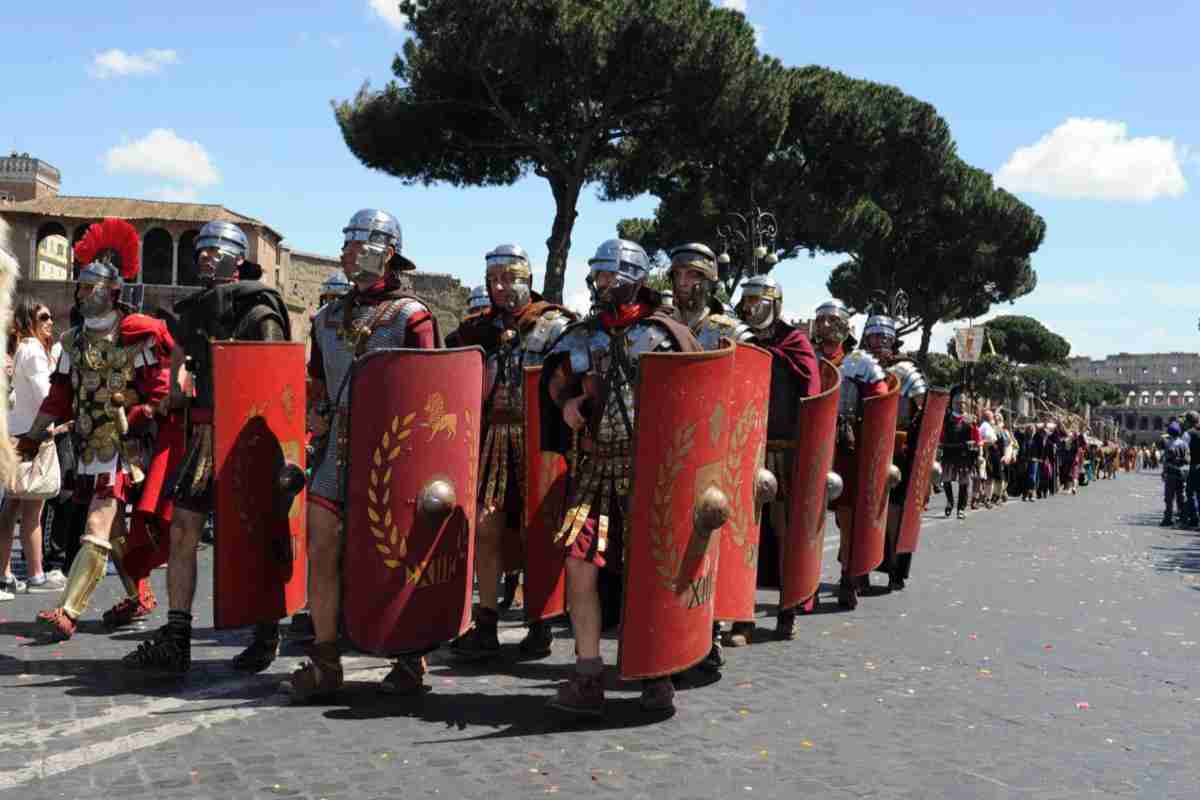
{"points": [[857, 368], [912, 389], [372, 327], [600, 462], [505, 438]]}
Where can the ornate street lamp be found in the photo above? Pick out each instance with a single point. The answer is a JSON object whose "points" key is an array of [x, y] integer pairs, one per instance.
{"points": [[747, 246]]}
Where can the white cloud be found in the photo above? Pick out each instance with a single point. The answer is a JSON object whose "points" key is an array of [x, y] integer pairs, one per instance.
{"points": [[174, 194], [116, 63], [389, 12], [579, 301], [1096, 158], [736, 5], [163, 154], [760, 33], [335, 42]]}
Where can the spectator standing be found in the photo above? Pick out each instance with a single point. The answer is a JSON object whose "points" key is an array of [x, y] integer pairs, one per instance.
{"points": [[1175, 465], [33, 358]]}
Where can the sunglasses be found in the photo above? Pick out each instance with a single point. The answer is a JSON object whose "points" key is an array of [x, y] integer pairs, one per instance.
{"points": [[45, 316]]}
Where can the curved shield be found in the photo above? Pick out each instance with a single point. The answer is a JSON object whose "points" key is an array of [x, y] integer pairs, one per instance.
{"points": [[749, 393], [800, 564], [260, 565], [675, 511], [921, 464], [876, 443], [545, 486], [411, 470]]}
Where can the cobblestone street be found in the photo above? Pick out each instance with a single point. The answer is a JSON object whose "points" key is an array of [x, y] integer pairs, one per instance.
{"points": [[1040, 651]]}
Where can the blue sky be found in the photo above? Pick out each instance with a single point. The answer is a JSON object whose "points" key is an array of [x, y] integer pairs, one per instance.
{"points": [[1086, 110]]}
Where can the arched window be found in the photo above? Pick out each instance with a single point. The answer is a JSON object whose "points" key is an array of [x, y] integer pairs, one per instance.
{"points": [[1158, 423], [157, 252], [1131, 421], [187, 259], [1144, 424]]}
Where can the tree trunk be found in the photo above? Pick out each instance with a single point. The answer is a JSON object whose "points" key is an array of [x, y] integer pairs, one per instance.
{"points": [[926, 335], [566, 195]]}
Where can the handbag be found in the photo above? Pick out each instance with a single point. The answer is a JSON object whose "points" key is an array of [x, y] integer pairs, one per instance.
{"points": [[38, 478]]}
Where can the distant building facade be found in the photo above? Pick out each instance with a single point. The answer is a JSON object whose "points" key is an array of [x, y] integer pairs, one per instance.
{"points": [[1156, 387], [40, 228]]}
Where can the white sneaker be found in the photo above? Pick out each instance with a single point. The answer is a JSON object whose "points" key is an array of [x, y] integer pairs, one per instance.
{"points": [[12, 586], [6, 596], [53, 581]]}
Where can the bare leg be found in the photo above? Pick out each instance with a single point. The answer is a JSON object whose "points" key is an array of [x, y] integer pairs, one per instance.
{"points": [[31, 536], [324, 571], [8, 521], [583, 597], [186, 527], [488, 534]]}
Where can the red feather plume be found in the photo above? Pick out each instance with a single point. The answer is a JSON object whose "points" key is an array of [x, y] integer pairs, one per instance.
{"points": [[111, 234]]}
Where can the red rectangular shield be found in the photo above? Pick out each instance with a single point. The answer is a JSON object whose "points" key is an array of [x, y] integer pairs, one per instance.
{"points": [[680, 442], [748, 396], [411, 471], [876, 442], [260, 568], [930, 433], [545, 487], [800, 562]]}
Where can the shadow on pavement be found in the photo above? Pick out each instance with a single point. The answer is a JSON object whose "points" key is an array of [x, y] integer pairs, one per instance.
{"points": [[514, 714]]}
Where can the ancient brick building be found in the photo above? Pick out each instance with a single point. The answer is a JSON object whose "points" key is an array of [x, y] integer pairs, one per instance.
{"points": [[37, 224], [1156, 387]]}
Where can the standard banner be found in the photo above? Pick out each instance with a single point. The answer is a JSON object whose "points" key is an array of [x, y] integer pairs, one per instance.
{"points": [[749, 394], [411, 470], [260, 556], [671, 550], [545, 486]]}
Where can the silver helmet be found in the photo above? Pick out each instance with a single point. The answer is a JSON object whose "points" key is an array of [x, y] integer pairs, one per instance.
{"points": [[219, 248], [509, 277], [377, 231], [479, 300], [336, 285], [627, 262], [692, 300], [762, 302], [883, 328], [831, 323]]}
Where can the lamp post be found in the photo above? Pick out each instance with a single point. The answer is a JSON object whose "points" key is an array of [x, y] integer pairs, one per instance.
{"points": [[747, 246]]}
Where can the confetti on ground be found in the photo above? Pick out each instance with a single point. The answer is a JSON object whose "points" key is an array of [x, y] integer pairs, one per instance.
{"points": [[744, 712], [1082, 706], [984, 673], [806, 744], [843, 675], [973, 636]]}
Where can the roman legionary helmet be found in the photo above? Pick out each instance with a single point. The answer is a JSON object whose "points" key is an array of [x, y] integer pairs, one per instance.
{"points": [[881, 325], [108, 256], [229, 246], [697, 256], [479, 300], [628, 263], [831, 323], [508, 269], [377, 230], [762, 302], [335, 286]]}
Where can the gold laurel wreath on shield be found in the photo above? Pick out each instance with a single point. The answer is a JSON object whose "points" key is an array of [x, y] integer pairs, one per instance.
{"points": [[734, 479], [390, 544], [662, 538]]}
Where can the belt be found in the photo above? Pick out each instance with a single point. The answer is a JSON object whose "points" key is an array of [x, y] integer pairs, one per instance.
{"points": [[781, 444]]}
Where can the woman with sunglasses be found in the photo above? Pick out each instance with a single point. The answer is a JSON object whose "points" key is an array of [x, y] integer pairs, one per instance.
{"points": [[33, 354]]}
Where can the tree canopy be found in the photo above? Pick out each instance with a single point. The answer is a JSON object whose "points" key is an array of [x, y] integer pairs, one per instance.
{"points": [[1025, 340], [489, 91]]}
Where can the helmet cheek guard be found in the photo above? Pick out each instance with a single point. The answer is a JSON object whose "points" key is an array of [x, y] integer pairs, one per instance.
{"points": [[630, 266]]}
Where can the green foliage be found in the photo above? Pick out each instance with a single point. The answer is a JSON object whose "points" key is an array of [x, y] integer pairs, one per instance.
{"points": [[995, 377], [1097, 393], [941, 370], [1051, 384], [489, 91], [1027, 341], [964, 246]]}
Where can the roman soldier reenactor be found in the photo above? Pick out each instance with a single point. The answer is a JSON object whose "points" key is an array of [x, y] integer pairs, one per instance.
{"points": [[380, 312], [862, 377], [112, 381], [588, 411], [515, 329], [226, 308], [794, 375]]}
